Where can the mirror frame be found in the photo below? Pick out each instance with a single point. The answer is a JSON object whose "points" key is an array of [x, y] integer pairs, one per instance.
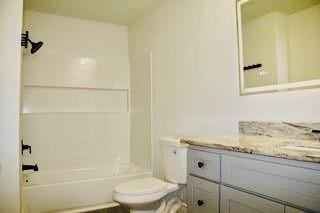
{"points": [[263, 89]]}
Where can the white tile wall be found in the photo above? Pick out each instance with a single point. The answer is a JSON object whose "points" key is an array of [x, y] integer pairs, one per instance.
{"points": [[48, 99], [77, 37], [65, 71], [75, 95], [78, 140]]}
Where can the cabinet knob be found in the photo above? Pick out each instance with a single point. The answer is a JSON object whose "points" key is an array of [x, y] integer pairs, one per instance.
{"points": [[200, 164], [200, 202]]}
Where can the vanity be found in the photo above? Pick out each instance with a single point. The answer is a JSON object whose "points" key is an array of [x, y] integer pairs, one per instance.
{"points": [[243, 173], [269, 167]]}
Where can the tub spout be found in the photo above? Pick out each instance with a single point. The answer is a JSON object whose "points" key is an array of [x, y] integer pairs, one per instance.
{"points": [[30, 167]]}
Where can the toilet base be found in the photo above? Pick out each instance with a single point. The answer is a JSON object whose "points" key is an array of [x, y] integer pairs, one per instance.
{"points": [[172, 205], [141, 211]]}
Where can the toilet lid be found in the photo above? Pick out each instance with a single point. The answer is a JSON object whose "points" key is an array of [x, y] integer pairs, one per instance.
{"points": [[141, 186]]}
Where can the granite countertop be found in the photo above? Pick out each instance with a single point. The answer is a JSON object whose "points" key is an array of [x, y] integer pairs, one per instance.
{"points": [[294, 149]]}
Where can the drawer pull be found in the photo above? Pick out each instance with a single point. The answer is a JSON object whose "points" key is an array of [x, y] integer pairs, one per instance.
{"points": [[200, 164], [200, 202]]}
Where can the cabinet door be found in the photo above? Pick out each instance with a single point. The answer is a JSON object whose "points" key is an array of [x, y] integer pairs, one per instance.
{"points": [[295, 185], [234, 201], [203, 196], [293, 210]]}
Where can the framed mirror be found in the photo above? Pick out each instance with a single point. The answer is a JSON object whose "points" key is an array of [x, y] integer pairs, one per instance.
{"points": [[279, 45]]}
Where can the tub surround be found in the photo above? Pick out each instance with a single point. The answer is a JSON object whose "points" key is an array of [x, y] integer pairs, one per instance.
{"points": [[287, 148]]}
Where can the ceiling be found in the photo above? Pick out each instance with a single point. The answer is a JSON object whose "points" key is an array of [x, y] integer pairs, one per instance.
{"points": [[121, 12], [256, 8]]}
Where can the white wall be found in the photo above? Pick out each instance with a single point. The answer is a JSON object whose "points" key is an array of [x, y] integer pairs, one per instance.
{"points": [[265, 41], [281, 29], [259, 46], [140, 109], [304, 44], [195, 73], [75, 95], [10, 55], [288, 46]]}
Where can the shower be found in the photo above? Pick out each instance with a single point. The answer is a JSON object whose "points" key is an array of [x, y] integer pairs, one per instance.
{"points": [[35, 46]]}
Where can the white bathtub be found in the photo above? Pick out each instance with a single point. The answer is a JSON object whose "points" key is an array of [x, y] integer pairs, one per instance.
{"points": [[60, 190]]}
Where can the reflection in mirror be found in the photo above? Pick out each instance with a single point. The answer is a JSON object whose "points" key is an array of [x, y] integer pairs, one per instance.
{"points": [[279, 44]]}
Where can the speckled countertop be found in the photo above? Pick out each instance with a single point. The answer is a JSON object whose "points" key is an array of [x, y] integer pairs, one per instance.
{"points": [[294, 149]]}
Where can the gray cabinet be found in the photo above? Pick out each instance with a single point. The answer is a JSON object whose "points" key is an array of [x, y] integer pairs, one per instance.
{"points": [[298, 186], [203, 196], [234, 201], [204, 164], [289, 209], [236, 183]]}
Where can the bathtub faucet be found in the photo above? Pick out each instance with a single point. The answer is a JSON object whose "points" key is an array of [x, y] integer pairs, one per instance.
{"points": [[25, 147], [30, 167]]}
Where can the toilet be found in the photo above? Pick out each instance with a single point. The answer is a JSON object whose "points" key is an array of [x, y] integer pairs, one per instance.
{"points": [[146, 194]]}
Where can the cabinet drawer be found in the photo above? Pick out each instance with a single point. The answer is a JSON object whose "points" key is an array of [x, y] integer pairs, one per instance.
{"points": [[203, 196], [234, 201], [294, 185], [204, 164]]}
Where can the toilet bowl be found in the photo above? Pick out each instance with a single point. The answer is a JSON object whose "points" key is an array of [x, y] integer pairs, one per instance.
{"points": [[146, 194], [142, 192]]}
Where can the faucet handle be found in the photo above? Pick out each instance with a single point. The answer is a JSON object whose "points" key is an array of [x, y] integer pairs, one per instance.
{"points": [[25, 147]]}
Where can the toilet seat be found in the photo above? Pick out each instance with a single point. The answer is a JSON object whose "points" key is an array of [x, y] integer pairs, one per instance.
{"points": [[142, 190]]}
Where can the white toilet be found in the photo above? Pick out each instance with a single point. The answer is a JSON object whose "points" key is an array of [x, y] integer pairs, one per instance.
{"points": [[141, 195]]}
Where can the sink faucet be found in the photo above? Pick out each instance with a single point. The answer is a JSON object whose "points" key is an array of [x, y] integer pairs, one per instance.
{"points": [[30, 167]]}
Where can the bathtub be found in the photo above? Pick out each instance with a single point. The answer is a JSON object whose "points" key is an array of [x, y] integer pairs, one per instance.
{"points": [[52, 191]]}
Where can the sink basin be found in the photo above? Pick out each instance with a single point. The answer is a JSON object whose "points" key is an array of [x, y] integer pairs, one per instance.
{"points": [[302, 148]]}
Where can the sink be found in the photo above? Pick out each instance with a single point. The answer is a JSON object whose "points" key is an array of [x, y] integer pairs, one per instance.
{"points": [[302, 148]]}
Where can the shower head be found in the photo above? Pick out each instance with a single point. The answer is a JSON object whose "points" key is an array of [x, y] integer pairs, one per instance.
{"points": [[35, 46]]}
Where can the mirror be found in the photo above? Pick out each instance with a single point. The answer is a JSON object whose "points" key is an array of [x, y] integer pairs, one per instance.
{"points": [[279, 45]]}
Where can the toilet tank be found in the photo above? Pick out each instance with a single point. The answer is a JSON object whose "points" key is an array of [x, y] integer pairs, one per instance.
{"points": [[174, 159]]}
